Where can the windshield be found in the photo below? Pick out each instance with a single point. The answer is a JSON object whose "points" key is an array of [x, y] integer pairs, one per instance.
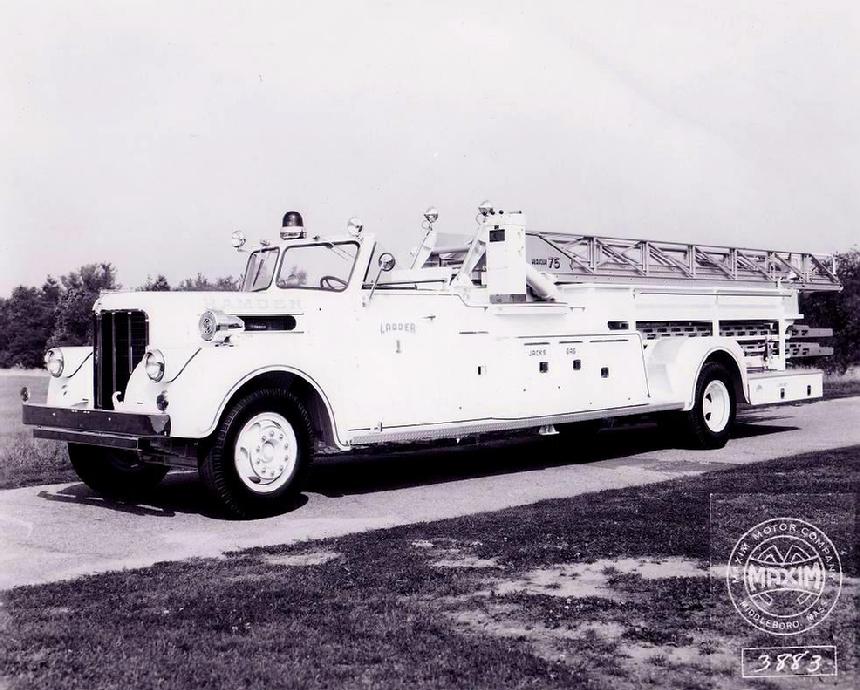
{"points": [[261, 268], [318, 266]]}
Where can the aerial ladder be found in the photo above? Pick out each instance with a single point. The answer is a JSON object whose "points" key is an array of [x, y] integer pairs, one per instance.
{"points": [[685, 290]]}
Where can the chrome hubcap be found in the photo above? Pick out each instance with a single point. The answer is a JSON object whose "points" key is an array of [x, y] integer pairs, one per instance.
{"points": [[265, 453], [716, 406]]}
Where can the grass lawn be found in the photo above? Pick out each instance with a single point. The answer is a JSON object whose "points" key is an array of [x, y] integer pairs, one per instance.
{"points": [[841, 388], [26, 461], [604, 590]]}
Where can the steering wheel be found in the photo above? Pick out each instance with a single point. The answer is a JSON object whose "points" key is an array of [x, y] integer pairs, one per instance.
{"points": [[333, 283]]}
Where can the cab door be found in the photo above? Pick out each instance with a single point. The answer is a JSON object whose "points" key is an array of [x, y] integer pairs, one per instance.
{"points": [[412, 363]]}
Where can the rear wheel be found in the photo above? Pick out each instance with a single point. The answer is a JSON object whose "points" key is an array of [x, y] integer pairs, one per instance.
{"points": [[260, 454], [709, 424], [114, 473]]}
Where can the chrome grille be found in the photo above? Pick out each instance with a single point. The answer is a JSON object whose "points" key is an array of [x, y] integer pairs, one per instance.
{"points": [[120, 340]]}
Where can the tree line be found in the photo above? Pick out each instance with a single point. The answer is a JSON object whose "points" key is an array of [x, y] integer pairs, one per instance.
{"points": [[839, 311], [59, 312]]}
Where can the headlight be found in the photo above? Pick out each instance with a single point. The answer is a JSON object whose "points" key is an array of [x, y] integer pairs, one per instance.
{"points": [[54, 362], [153, 364]]}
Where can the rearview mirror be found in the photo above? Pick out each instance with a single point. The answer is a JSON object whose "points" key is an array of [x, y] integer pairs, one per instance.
{"points": [[386, 261]]}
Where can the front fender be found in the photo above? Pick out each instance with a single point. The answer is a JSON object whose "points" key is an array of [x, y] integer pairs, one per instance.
{"points": [[673, 366], [200, 381], [75, 386]]}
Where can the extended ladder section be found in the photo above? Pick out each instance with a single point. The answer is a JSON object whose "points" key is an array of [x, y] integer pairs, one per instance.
{"points": [[579, 258]]}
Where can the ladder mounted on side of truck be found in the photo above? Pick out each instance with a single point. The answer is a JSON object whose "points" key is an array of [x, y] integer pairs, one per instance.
{"points": [[577, 258], [517, 265]]}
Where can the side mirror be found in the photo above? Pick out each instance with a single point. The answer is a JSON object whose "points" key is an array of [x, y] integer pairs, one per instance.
{"points": [[386, 261], [237, 239]]}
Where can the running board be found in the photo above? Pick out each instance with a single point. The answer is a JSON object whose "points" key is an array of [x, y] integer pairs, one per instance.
{"points": [[403, 434]]}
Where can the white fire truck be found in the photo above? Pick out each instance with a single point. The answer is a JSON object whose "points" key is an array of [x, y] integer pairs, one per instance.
{"points": [[330, 346]]}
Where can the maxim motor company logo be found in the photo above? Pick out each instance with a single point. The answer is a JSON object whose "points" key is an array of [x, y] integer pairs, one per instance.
{"points": [[784, 576]]}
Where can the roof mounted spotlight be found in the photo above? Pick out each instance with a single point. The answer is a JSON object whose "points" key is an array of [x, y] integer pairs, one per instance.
{"points": [[293, 227], [485, 208], [430, 217], [237, 239], [354, 226]]}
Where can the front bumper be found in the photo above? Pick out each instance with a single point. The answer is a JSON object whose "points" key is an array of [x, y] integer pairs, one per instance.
{"points": [[96, 427]]}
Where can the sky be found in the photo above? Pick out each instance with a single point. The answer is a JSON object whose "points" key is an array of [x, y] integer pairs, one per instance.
{"points": [[145, 133]]}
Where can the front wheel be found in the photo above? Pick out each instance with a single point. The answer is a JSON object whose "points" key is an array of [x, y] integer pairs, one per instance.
{"points": [[114, 473], [260, 454], [709, 423]]}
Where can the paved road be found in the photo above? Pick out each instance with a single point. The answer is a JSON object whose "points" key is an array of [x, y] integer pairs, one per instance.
{"points": [[61, 531]]}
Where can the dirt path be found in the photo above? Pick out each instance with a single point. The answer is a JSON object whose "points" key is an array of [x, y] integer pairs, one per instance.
{"points": [[61, 531]]}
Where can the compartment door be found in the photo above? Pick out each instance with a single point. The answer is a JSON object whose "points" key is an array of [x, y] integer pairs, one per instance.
{"points": [[615, 372]]}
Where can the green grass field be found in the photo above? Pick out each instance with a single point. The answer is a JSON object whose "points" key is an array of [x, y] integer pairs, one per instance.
{"points": [[604, 590]]}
